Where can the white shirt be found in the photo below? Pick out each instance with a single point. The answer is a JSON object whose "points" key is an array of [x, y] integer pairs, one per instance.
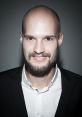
{"points": [[44, 102]]}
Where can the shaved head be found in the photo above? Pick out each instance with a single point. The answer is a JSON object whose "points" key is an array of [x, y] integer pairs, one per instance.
{"points": [[41, 13], [41, 38]]}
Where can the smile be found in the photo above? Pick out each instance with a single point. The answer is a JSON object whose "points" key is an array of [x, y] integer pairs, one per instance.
{"points": [[39, 58]]}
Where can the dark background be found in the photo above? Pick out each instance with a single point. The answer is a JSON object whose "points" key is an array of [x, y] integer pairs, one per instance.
{"points": [[11, 13]]}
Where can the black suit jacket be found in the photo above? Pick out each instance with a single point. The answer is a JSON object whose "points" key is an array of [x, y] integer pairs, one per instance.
{"points": [[12, 101]]}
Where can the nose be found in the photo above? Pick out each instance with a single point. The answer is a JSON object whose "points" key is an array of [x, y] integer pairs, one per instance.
{"points": [[39, 46]]}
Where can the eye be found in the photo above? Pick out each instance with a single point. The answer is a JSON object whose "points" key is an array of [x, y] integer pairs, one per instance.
{"points": [[49, 38], [29, 38]]}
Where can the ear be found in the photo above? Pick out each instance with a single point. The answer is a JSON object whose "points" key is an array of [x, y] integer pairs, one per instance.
{"points": [[60, 40], [21, 38]]}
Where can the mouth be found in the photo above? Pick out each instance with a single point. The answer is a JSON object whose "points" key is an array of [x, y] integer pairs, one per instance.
{"points": [[39, 58]]}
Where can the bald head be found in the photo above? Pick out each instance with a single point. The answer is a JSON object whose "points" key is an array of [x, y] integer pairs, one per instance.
{"points": [[40, 14]]}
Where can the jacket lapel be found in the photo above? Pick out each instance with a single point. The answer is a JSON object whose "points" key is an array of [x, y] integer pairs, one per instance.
{"points": [[18, 97], [65, 95]]}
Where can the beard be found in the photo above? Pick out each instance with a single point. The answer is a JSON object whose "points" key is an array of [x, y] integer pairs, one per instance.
{"points": [[38, 71]]}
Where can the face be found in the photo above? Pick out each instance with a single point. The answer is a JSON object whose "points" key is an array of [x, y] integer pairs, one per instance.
{"points": [[40, 44]]}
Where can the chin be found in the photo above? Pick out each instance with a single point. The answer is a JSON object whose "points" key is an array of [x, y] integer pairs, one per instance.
{"points": [[39, 70]]}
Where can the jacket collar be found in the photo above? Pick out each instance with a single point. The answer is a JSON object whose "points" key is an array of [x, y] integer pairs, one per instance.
{"points": [[66, 93]]}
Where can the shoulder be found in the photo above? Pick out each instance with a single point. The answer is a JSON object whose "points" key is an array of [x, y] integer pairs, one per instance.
{"points": [[70, 73], [71, 76], [10, 80], [11, 73], [71, 80]]}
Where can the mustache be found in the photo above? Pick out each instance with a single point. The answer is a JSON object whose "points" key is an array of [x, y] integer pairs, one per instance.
{"points": [[39, 54]]}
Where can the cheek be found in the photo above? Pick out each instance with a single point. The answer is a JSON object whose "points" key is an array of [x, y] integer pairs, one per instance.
{"points": [[27, 48], [52, 49], [54, 52]]}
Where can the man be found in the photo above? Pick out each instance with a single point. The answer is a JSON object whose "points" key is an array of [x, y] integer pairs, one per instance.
{"points": [[40, 88]]}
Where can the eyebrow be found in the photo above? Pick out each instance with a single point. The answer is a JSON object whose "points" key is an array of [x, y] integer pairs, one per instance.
{"points": [[45, 36]]}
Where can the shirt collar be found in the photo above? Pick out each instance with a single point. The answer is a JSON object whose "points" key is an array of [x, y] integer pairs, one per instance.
{"points": [[27, 83]]}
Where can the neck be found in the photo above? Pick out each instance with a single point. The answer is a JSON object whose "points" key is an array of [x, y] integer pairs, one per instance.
{"points": [[41, 82]]}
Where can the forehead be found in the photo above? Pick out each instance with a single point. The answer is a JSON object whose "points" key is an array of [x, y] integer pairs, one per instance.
{"points": [[40, 21]]}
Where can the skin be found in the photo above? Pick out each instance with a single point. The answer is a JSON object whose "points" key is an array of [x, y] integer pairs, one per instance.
{"points": [[40, 43]]}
